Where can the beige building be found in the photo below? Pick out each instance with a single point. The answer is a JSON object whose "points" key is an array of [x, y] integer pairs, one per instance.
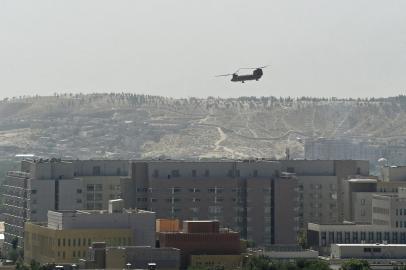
{"points": [[130, 257], [67, 235]]}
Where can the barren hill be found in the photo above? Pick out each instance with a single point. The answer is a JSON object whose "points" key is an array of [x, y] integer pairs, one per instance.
{"points": [[134, 126]]}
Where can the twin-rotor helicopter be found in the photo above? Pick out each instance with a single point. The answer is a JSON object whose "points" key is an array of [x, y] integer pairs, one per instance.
{"points": [[255, 75]]}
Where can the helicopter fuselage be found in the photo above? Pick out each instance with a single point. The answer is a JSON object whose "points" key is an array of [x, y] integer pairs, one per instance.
{"points": [[256, 75]]}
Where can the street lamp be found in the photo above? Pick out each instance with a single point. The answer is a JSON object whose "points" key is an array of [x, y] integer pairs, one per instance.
{"points": [[128, 265]]}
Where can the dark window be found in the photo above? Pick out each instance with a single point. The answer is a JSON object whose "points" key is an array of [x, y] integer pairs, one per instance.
{"points": [[370, 237], [156, 174], [379, 237], [175, 173], [96, 170], [358, 170], [347, 237], [367, 250], [290, 170], [376, 249], [355, 237], [194, 173], [255, 173], [79, 191], [118, 171], [207, 173]]}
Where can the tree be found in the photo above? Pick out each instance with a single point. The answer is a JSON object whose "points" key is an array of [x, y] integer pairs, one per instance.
{"points": [[354, 264]]}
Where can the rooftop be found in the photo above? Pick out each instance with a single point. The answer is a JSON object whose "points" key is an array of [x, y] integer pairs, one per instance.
{"points": [[371, 245]]}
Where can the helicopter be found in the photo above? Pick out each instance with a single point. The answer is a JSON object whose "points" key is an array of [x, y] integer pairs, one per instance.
{"points": [[256, 75]]}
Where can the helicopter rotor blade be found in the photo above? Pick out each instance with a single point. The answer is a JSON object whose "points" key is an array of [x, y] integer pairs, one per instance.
{"points": [[224, 75], [254, 67]]}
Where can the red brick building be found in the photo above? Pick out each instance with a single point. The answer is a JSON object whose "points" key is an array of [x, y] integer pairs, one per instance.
{"points": [[201, 237]]}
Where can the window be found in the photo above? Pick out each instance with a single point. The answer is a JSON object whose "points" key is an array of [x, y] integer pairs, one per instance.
{"points": [[59, 242], [255, 173], [362, 201], [206, 173], [290, 169], [175, 173], [90, 187], [74, 242], [63, 242], [79, 242], [96, 170], [98, 187], [68, 242], [367, 249], [118, 171], [33, 191], [370, 237], [78, 200], [98, 197], [90, 196], [237, 172], [155, 174], [194, 173], [79, 191], [376, 249]]}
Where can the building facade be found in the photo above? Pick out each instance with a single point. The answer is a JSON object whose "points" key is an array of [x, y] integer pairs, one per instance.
{"points": [[42, 185], [244, 195], [68, 234]]}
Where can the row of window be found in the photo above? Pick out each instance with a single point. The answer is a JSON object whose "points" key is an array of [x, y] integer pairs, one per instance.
{"points": [[400, 211], [86, 242], [357, 237], [175, 200], [206, 173]]}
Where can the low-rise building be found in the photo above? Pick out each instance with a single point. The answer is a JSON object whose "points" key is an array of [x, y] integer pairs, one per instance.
{"points": [[133, 257], [68, 234], [368, 251], [201, 238]]}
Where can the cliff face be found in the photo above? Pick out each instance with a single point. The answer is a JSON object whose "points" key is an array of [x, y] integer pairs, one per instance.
{"points": [[133, 126]]}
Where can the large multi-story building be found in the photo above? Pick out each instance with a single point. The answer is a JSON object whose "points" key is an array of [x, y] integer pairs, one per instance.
{"points": [[42, 185], [67, 235], [266, 201], [244, 195], [388, 225]]}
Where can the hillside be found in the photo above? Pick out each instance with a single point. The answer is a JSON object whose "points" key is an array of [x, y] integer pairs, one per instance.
{"points": [[139, 126]]}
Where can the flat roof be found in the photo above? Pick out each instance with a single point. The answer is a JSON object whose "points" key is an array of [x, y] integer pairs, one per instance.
{"points": [[371, 245], [362, 180]]}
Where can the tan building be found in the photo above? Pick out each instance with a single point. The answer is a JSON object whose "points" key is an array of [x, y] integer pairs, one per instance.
{"points": [[68, 234], [213, 262], [131, 257]]}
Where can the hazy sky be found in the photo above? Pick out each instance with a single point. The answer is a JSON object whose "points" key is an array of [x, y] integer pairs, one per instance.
{"points": [[174, 48]]}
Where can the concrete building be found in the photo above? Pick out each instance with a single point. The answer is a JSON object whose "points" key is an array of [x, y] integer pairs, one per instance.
{"points": [[68, 234], [393, 173], [201, 238], [240, 193], [243, 195], [388, 224], [42, 185], [369, 251], [133, 257], [356, 192]]}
